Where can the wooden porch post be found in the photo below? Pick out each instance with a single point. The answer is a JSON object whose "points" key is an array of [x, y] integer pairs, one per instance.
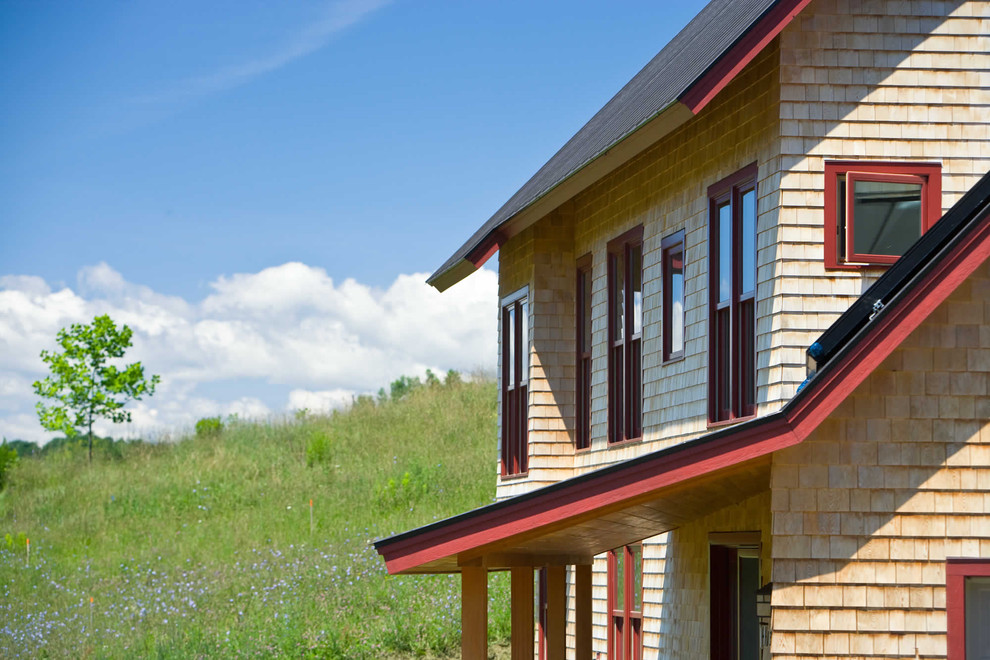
{"points": [[582, 614], [556, 612], [474, 613], [522, 612]]}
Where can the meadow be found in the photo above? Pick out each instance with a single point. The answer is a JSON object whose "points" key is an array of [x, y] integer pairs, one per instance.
{"points": [[207, 545]]}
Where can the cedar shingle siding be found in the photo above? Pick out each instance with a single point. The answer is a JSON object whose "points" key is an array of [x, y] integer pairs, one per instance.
{"points": [[856, 521]]}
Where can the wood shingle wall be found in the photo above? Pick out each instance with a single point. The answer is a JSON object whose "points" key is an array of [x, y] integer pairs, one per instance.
{"points": [[867, 509], [875, 80]]}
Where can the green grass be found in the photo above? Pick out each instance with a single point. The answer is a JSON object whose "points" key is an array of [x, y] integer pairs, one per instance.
{"points": [[203, 547]]}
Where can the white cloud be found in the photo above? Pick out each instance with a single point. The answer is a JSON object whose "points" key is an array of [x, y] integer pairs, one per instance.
{"points": [[290, 326], [322, 401]]}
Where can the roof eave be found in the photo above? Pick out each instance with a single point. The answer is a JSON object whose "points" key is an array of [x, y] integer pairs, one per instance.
{"points": [[634, 143], [691, 101]]}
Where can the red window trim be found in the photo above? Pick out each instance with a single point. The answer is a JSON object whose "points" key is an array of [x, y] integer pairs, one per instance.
{"points": [[957, 569], [731, 324], [625, 413], [931, 202], [630, 647], [515, 395], [672, 245], [582, 383]]}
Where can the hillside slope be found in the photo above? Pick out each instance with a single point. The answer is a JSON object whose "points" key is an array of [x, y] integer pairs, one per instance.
{"points": [[204, 546]]}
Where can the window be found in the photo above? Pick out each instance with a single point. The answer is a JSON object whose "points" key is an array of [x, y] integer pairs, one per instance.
{"points": [[625, 331], [582, 435], [875, 211], [672, 255], [732, 293], [515, 381], [734, 581], [967, 605], [625, 603]]}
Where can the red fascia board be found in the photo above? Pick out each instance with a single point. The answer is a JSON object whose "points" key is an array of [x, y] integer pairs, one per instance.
{"points": [[589, 500], [720, 74], [593, 497], [484, 251], [892, 328]]}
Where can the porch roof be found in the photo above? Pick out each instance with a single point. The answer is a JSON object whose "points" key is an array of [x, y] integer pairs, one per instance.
{"points": [[673, 87], [573, 520]]}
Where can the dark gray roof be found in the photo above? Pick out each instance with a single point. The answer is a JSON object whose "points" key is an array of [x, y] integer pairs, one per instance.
{"points": [[660, 83]]}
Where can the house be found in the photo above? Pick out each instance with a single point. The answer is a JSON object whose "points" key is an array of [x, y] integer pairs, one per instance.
{"points": [[745, 352]]}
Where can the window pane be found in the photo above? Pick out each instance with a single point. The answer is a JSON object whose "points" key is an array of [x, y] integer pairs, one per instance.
{"points": [[977, 616], [636, 551], [615, 407], [724, 252], [620, 580], [523, 321], [509, 341], [886, 216], [721, 357], [676, 284], [840, 207], [749, 624], [586, 311], [617, 301], [636, 286], [748, 259]]}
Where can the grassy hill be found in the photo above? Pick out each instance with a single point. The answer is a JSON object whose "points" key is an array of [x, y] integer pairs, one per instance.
{"points": [[204, 546]]}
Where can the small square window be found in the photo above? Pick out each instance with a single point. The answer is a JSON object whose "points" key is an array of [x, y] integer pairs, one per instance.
{"points": [[875, 211]]}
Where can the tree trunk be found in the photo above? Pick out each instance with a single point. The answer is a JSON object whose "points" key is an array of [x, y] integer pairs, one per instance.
{"points": [[91, 440]]}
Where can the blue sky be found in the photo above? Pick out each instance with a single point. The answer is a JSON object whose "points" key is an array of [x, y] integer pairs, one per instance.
{"points": [[169, 161]]}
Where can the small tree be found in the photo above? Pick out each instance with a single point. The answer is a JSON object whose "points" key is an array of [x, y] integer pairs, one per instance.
{"points": [[83, 386]]}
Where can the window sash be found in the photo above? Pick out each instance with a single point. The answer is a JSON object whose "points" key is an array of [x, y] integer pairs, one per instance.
{"points": [[732, 293], [672, 256], [582, 431], [847, 208], [625, 331], [625, 602], [515, 387]]}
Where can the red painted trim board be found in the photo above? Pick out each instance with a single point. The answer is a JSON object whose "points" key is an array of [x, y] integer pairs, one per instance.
{"points": [[740, 54], [591, 498], [484, 251]]}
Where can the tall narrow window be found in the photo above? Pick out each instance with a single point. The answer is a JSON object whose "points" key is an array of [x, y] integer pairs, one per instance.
{"points": [[582, 421], [625, 603], [732, 293], [625, 331], [515, 381], [967, 607], [672, 249]]}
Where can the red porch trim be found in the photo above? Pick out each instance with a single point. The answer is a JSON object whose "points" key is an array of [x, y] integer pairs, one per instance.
{"points": [[624, 485], [740, 54], [589, 500]]}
